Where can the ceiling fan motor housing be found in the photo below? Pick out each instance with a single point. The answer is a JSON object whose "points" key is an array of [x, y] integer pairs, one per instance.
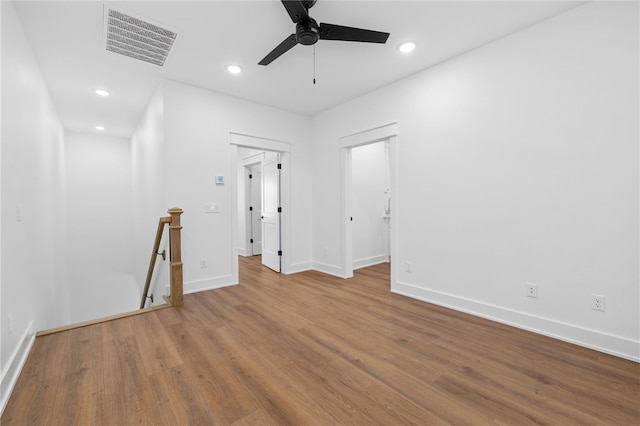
{"points": [[307, 33], [308, 4]]}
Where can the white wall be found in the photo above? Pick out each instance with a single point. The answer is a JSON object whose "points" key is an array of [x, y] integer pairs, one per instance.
{"points": [[148, 189], [517, 162], [99, 209], [369, 185], [198, 124], [34, 247]]}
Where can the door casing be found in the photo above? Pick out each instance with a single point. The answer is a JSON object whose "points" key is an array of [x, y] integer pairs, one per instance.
{"points": [[388, 132], [284, 148], [252, 199], [271, 204]]}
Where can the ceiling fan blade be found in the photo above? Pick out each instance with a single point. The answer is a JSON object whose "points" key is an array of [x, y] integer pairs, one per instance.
{"points": [[287, 44], [338, 32], [296, 10]]}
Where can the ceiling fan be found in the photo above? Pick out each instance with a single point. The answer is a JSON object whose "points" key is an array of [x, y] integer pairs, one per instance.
{"points": [[308, 32]]}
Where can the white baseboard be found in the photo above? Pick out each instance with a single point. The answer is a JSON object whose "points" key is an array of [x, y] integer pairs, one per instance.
{"points": [[328, 269], [614, 345], [242, 252], [196, 286], [299, 267], [14, 366], [370, 261]]}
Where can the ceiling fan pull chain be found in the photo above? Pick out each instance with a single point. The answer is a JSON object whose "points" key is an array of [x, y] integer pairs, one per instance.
{"points": [[314, 64]]}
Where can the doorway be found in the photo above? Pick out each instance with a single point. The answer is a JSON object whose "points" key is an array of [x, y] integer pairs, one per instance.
{"points": [[271, 220], [386, 212], [371, 204], [272, 159], [259, 206], [250, 212]]}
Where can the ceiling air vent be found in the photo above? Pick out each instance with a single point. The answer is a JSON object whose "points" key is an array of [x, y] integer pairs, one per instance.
{"points": [[134, 37]]}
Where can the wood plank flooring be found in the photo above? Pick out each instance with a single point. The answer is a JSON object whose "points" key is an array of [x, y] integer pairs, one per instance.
{"points": [[310, 349]]}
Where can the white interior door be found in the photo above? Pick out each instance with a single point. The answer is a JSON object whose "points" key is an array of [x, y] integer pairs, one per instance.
{"points": [[271, 253], [256, 210]]}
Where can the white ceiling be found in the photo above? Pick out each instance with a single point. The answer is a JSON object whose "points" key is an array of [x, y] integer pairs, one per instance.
{"points": [[67, 40]]}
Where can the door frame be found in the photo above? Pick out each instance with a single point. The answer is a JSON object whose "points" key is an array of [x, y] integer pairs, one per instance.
{"points": [[247, 163], [271, 218], [284, 148], [387, 132]]}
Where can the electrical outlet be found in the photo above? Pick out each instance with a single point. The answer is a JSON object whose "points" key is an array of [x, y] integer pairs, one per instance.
{"points": [[598, 302], [407, 266], [203, 262], [531, 290], [212, 208]]}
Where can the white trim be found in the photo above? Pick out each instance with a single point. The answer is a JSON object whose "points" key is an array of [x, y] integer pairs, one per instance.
{"points": [[257, 142], [299, 267], [387, 132], [369, 136], [235, 245], [247, 163], [248, 219], [253, 160], [14, 366], [370, 261], [284, 148], [336, 271], [285, 224], [394, 220], [346, 224], [205, 284], [614, 345]]}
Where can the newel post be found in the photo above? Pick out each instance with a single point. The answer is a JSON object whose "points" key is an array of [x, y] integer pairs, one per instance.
{"points": [[176, 257]]}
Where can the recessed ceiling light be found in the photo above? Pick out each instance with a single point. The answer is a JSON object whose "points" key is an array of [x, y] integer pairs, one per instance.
{"points": [[100, 128], [407, 47], [101, 92], [234, 69]]}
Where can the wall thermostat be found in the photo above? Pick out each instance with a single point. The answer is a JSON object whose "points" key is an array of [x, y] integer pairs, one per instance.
{"points": [[219, 180]]}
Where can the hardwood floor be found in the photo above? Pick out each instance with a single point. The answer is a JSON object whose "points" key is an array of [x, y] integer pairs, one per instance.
{"points": [[313, 349]]}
